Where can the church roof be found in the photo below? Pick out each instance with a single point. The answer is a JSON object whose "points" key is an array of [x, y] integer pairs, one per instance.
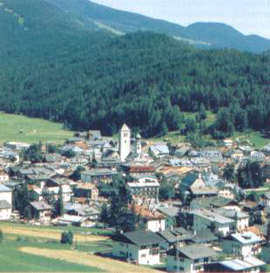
{"points": [[125, 128]]}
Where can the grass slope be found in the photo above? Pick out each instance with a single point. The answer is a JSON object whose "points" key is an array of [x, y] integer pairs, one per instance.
{"points": [[12, 259], [30, 130]]}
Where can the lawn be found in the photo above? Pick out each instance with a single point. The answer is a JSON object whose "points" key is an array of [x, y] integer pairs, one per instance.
{"points": [[12, 259], [30, 130]]}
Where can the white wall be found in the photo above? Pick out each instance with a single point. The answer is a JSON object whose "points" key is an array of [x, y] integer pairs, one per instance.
{"points": [[156, 225], [133, 252], [5, 214], [6, 196]]}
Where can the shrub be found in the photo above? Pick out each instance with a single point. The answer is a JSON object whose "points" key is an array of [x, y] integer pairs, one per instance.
{"points": [[67, 238]]}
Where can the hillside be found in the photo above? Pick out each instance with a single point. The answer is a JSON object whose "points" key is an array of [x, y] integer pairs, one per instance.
{"points": [[206, 35], [87, 77], [33, 29]]}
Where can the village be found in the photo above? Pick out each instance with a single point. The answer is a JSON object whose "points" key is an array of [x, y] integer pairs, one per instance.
{"points": [[188, 209]]}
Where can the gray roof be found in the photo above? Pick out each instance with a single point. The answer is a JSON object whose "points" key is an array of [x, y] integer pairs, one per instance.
{"points": [[4, 188], [204, 190], [212, 216], [233, 214], [140, 238], [4, 204], [196, 252], [170, 211], [246, 238], [40, 205], [240, 265], [204, 236]]}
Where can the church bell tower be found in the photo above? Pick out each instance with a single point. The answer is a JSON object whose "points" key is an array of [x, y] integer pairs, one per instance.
{"points": [[124, 142]]}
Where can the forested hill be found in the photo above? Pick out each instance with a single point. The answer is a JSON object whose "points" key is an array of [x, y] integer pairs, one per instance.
{"points": [[146, 80], [63, 67], [33, 29], [206, 35]]}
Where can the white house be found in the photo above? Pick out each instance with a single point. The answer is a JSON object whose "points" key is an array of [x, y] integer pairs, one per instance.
{"points": [[142, 247], [160, 150], [241, 218], [244, 244], [205, 219], [5, 202], [191, 258], [154, 220]]}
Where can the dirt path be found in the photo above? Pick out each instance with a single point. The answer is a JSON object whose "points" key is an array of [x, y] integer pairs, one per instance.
{"points": [[47, 233], [104, 264]]}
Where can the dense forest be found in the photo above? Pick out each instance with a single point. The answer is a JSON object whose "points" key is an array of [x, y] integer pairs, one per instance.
{"points": [[98, 80]]}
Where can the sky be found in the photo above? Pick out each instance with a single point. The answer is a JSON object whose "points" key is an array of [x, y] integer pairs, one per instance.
{"points": [[247, 16]]}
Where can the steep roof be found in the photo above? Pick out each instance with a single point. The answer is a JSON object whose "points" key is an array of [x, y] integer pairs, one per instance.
{"points": [[40, 205], [125, 128], [194, 252], [139, 238]]}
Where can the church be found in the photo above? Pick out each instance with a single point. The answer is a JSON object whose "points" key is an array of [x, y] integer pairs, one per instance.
{"points": [[125, 147]]}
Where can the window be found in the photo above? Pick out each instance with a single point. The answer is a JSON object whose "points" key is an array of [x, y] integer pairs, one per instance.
{"points": [[196, 261], [143, 256], [143, 247], [205, 260]]}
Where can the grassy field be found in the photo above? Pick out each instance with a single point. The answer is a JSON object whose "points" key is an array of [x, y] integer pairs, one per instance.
{"points": [[30, 130], [37, 249], [46, 233], [12, 259]]}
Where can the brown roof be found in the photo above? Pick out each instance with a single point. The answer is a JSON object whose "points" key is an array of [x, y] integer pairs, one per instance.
{"points": [[145, 213]]}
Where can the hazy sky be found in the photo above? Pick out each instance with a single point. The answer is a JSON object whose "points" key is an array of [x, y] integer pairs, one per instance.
{"points": [[248, 16]]}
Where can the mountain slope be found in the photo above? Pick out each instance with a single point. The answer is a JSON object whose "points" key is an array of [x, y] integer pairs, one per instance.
{"points": [[209, 35], [35, 28]]}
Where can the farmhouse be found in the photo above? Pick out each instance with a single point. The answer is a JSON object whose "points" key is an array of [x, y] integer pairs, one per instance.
{"points": [[244, 244], [143, 247], [189, 258], [41, 211]]}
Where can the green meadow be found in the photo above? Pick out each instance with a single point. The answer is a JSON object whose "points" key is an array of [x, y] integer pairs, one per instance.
{"points": [[12, 259], [30, 130]]}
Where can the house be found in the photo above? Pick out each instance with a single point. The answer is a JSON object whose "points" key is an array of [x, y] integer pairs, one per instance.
{"points": [[142, 247], [159, 150], [189, 182], [209, 219], [171, 213], [140, 170], [247, 264], [5, 202], [52, 187], [41, 211], [4, 177], [145, 190], [98, 176], [241, 218], [87, 191], [191, 258], [243, 244], [86, 211], [154, 220], [5, 210]]}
